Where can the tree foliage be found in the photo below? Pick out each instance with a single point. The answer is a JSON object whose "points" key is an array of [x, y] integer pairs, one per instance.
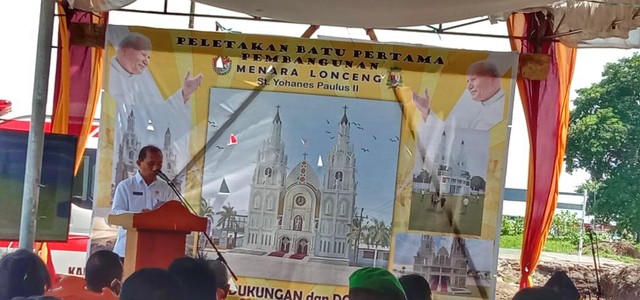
{"points": [[604, 135], [565, 227], [512, 225]]}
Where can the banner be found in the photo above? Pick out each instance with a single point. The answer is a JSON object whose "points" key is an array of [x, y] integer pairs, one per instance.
{"points": [[313, 158]]}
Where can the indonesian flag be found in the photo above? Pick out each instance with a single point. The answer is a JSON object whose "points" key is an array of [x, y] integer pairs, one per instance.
{"points": [[45, 255]]}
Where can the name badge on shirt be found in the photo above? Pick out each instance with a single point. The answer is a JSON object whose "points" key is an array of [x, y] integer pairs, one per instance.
{"points": [[137, 193]]}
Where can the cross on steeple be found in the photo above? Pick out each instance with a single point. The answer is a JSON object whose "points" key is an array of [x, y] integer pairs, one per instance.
{"points": [[305, 155], [278, 107], [345, 120]]}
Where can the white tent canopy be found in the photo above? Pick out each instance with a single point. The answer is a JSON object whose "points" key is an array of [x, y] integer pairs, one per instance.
{"points": [[610, 24], [373, 13], [579, 23]]}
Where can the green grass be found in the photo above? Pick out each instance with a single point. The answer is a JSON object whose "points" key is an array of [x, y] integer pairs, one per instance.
{"points": [[607, 253], [557, 246], [511, 241], [624, 259]]}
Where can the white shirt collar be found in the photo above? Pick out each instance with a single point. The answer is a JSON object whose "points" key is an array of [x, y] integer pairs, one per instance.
{"points": [[493, 99], [140, 180], [116, 65]]}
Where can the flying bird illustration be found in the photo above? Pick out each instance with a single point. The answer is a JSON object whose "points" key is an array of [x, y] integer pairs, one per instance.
{"points": [[333, 137], [374, 137], [328, 121], [360, 127], [219, 147], [364, 149], [393, 140], [213, 124], [326, 131], [341, 134]]}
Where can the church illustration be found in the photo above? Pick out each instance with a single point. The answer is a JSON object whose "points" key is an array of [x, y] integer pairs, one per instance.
{"points": [[445, 269], [301, 214], [129, 147], [450, 169]]}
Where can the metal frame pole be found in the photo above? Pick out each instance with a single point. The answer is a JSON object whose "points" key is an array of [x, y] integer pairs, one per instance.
{"points": [[584, 211], [31, 189]]}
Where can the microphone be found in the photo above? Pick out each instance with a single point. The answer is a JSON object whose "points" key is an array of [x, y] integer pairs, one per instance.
{"points": [[184, 202], [163, 176]]}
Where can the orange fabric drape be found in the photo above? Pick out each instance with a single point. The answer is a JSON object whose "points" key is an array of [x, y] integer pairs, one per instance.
{"points": [[45, 254], [87, 82], [546, 109], [60, 121]]}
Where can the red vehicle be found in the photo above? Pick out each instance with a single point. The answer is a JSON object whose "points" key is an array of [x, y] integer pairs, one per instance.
{"points": [[5, 107]]}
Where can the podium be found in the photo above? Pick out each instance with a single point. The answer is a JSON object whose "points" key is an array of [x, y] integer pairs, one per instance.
{"points": [[155, 238]]}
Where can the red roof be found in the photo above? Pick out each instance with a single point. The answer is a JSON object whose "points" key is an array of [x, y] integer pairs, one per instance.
{"points": [[23, 125]]}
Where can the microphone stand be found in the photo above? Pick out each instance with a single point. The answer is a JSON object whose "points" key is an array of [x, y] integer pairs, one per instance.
{"points": [[594, 252], [186, 204]]}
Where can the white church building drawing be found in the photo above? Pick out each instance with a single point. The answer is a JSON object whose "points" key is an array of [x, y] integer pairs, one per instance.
{"points": [[129, 147], [450, 169], [299, 214]]}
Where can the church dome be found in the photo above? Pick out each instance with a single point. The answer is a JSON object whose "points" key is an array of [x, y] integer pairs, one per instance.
{"points": [[303, 174]]}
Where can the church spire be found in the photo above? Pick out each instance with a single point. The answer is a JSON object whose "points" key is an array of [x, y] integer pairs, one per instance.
{"points": [[442, 150], [343, 131], [167, 139], [130, 122], [276, 129], [344, 120], [276, 119], [462, 158]]}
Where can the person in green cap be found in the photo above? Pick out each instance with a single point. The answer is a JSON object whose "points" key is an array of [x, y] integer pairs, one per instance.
{"points": [[374, 283]]}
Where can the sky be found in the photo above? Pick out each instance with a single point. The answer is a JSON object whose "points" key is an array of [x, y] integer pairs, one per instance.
{"points": [[300, 115], [18, 59]]}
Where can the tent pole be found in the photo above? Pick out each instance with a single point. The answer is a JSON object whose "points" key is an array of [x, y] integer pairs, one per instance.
{"points": [[31, 189]]}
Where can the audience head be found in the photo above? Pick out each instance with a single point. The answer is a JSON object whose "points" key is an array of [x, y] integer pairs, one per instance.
{"points": [[560, 282], [22, 274], [196, 278], [222, 278], [151, 284], [103, 269], [415, 287], [537, 293], [558, 287], [374, 283]]}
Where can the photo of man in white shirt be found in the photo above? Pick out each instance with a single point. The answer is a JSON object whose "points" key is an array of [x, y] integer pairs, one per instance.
{"points": [[142, 192]]}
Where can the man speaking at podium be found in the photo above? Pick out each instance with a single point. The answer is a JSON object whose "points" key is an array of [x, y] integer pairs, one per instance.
{"points": [[142, 192]]}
